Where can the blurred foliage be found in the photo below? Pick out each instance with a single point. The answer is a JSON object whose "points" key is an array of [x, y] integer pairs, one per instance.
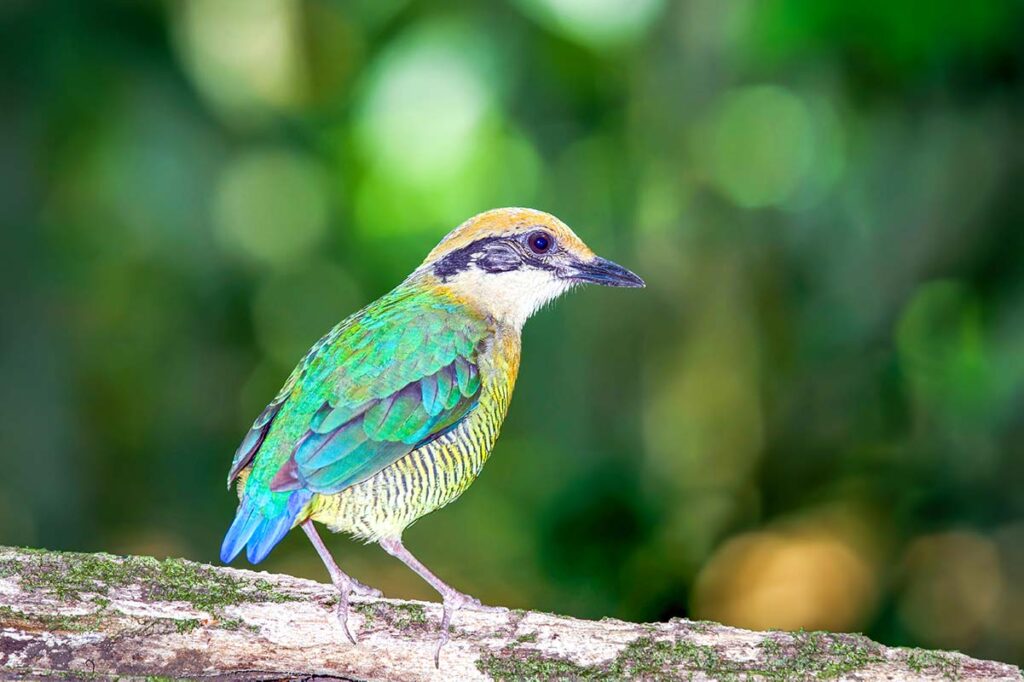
{"points": [[813, 416]]}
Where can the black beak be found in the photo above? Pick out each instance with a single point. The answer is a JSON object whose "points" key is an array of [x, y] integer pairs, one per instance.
{"points": [[605, 273]]}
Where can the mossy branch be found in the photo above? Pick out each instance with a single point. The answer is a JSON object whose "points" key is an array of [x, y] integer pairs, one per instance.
{"points": [[97, 616]]}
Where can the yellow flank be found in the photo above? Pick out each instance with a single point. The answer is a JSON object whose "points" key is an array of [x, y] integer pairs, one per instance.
{"points": [[429, 477]]}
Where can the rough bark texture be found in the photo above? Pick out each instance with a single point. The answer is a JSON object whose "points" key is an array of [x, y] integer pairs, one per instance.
{"points": [[96, 616]]}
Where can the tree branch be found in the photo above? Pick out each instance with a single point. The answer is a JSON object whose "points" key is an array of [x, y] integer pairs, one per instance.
{"points": [[97, 616]]}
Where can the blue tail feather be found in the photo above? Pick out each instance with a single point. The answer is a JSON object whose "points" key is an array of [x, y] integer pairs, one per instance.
{"points": [[245, 524], [260, 532], [270, 532]]}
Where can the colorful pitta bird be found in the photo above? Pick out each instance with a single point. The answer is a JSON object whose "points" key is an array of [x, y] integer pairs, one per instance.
{"points": [[394, 412]]}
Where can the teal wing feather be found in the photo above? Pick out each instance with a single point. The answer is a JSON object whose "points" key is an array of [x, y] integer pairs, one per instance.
{"points": [[395, 375], [400, 378]]}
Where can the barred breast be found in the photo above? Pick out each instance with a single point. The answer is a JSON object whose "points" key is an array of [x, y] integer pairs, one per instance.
{"points": [[434, 475]]}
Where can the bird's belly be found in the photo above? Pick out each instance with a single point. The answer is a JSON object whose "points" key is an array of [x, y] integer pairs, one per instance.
{"points": [[422, 481]]}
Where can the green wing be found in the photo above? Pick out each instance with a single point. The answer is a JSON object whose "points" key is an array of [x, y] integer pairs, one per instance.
{"points": [[394, 376]]}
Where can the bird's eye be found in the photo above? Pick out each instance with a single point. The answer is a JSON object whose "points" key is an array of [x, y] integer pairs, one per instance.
{"points": [[540, 242]]}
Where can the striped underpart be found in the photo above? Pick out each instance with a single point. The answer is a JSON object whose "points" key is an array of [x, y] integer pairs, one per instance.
{"points": [[427, 478]]}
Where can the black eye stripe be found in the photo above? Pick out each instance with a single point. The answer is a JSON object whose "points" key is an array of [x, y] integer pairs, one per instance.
{"points": [[501, 259], [483, 253]]}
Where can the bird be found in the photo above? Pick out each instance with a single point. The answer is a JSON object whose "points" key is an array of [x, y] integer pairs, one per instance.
{"points": [[392, 414]]}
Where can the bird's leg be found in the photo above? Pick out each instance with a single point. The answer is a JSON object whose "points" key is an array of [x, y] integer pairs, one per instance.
{"points": [[452, 599], [345, 584]]}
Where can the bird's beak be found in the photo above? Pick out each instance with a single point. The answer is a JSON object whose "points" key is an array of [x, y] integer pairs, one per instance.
{"points": [[604, 272]]}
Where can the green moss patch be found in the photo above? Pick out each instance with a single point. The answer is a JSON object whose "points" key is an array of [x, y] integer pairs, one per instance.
{"points": [[933, 663], [786, 657], [91, 578], [396, 616], [644, 658], [186, 625], [821, 655], [68, 576], [532, 666]]}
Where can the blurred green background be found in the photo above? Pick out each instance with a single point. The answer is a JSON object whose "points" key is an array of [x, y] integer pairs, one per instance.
{"points": [[812, 417]]}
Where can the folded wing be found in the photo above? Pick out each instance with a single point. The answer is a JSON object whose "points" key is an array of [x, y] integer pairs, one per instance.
{"points": [[401, 385]]}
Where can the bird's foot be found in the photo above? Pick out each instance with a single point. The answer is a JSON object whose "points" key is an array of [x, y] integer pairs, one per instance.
{"points": [[346, 588], [341, 611], [455, 601], [361, 590]]}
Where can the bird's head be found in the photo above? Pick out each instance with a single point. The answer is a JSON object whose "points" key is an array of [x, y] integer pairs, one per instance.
{"points": [[511, 261]]}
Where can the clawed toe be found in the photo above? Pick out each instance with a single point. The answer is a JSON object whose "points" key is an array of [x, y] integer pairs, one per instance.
{"points": [[361, 590], [488, 609], [341, 610], [341, 614], [345, 590], [463, 601], [455, 601]]}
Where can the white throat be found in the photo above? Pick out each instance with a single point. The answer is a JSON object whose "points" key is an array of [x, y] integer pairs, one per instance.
{"points": [[509, 297]]}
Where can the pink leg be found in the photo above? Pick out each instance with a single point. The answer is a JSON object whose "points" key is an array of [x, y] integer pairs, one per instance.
{"points": [[452, 599], [345, 584]]}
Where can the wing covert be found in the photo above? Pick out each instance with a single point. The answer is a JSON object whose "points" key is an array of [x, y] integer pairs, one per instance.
{"points": [[408, 377]]}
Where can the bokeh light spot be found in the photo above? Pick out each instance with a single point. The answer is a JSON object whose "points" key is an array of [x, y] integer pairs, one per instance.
{"points": [[442, 202], [425, 104], [811, 578], [759, 145], [942, 350], [954, 587], [244, 55], [271, 206], [596, 23]]}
